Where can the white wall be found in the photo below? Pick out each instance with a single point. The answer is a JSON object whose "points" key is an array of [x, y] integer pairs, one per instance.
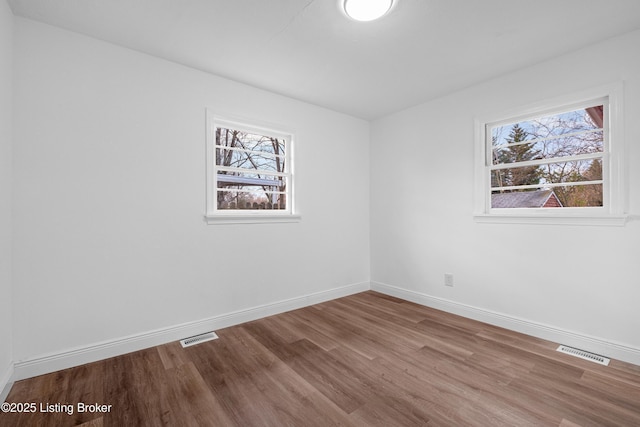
{"points": [[6, 53], [582, 280], [110, 195]]}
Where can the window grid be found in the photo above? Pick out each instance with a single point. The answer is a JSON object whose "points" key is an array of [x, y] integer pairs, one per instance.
{"points": [[533, 167], [610, 180], [249, 172]]}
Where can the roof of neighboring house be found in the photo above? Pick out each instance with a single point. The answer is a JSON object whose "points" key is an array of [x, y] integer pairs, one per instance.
{"points": [[525, 199]]}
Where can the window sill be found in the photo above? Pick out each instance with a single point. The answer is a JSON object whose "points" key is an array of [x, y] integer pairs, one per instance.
{"points": [[250, 219], [604, 220]]}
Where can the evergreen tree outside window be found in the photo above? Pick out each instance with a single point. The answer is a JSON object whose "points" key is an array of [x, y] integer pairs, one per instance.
{"points": [[514, 153]]}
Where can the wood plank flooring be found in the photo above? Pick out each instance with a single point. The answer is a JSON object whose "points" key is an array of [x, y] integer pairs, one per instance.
{"points": [[363, 360]]}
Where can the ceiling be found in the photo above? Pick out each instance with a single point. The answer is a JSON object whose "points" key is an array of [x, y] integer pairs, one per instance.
{"points": [[309, 50]]}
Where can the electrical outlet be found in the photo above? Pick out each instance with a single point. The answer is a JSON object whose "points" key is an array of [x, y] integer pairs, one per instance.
{"points": [[448, 279]]}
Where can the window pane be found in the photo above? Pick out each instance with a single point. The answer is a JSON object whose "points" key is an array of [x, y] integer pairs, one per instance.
{"points": [[566, 134], [553, 173], [249, 141], [557, 147], [565, 196], [249, 160], [257, 199], [582, 170]]}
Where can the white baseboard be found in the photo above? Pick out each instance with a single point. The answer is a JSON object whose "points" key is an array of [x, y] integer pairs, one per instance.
{"points": [[77, 356], [6, 383], [593, 344]]}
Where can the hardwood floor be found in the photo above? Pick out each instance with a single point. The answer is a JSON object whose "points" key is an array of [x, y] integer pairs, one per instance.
{"points": [[363, 360]]}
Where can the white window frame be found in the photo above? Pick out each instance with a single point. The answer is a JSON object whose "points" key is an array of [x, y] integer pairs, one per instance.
{"points": [[214, 215], [613, 211]]}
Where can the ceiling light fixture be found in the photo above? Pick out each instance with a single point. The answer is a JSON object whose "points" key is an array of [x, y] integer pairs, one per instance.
{"points": [[367, 10]]}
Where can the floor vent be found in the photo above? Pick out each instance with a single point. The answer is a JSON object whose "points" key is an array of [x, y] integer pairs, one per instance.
{"points": [[187, 342], [584, 355]]}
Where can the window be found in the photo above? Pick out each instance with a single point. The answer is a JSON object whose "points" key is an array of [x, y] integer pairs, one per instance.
{"points": [[553, 164], [249, 173]]}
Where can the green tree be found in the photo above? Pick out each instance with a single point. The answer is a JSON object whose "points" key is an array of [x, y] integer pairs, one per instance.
{"points": [[514, 151]]}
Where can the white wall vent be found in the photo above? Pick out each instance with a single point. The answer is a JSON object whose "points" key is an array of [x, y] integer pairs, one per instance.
{"points": [[584, 355], [187, 342]]}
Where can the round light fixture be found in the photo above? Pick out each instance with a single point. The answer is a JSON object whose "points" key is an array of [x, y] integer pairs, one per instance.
{"points": [[367, 10]]}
